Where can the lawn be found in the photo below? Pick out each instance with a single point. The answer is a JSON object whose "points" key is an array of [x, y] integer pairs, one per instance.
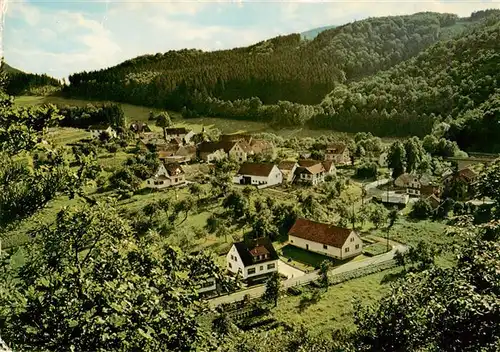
{"points": [[375, 249], [335, 308], [304, 260], [141, 113]]}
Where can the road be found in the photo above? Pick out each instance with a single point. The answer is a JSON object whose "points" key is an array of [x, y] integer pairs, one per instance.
{"points": [[257, 291]]}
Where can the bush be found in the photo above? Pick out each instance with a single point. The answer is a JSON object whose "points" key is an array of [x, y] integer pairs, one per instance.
{"points": [[295, 290], [367, 170], [422, 209]]}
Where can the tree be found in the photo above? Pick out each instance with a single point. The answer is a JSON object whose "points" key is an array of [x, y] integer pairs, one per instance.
{"points": [[414, 153], [422, 209], [377, 214], [273, 287], [324, 268], [488, 183], [392, 217], [93, 284], [396, 159], [163, 120], [441, 308]]}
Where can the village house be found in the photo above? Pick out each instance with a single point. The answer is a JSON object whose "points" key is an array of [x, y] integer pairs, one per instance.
{"points": [[329, 167], [310, 171], [416, 186], [238, 150], [288, 168], [97, 130], [392, 198], [247, 145], [182, 133], [338, 153], [210, 151], [168, 175], [179, 154], [466, 175], [409, 182], [329, 240], [252, 259], [434, 201], [258, 174], [139, 127]]}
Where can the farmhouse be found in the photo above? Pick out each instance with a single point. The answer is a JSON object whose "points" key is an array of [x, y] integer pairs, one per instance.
{"points": [[182, 133], [288, 168], [393, 198], [238, 150], [139, 127], [465, 175], [338, 153], [310, 171], [329, 240], [97, 130], [181, 154], [168, 175], [409, 182], [258, 174], [252, 259], [210, 151], [329, 167]]}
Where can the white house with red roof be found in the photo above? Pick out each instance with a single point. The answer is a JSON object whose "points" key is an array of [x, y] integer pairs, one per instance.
{"points": [[258, 174], [326, 239], [252, 259]]}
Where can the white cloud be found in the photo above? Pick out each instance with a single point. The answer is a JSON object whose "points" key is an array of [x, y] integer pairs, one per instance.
{"points": [[65, 41]]}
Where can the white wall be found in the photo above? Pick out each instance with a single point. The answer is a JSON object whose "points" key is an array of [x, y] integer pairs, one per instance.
{"points": [[235, 264], [352, 241], [217, 155], [330, 251], [314, 246], [238, 154], [275, 177], [97, 133]]}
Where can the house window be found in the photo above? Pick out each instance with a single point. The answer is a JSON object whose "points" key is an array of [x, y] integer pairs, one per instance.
{"points": [[325, 246], [149, 182], [176, 179], [346, 250], [271, 266], [229, 265], [357, 246], [261, 267], [251, 271], [291, 241], [352, 239]]}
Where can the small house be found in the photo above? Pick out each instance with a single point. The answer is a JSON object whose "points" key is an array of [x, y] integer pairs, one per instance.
{"points": [[329, 167], [409, 182], [183, 134], [258, 174], [338, 153], [332, 241], [168, 175], [97, 130], [139, 127], [434, 201], [210, 151], [310, 171], [393, 198], [252, 259], [466, 175], [238, 150], [288, 168]]}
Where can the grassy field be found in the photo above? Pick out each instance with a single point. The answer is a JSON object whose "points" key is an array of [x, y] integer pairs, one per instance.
{"points": [[335, 308], [141, 113]]}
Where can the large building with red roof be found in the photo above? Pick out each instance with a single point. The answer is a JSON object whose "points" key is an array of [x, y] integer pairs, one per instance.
{"points": [[332, 241]]}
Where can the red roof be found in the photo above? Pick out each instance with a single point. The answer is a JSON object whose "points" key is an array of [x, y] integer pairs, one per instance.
{"points": [[255, 169], [319, 232], [336, 148], [259, 250]]}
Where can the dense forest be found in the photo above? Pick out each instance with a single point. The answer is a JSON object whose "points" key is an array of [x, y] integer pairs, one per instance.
{"points": [[392, 76], [282, 68], [22, 83]]}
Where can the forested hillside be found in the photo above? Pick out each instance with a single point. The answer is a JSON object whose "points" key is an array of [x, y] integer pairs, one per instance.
{"points": [[443, 82], [22, 83], [283, 68]]}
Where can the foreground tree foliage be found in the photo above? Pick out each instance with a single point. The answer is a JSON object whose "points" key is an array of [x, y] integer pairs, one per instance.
{"points": [[88, 284], [442, 309]]}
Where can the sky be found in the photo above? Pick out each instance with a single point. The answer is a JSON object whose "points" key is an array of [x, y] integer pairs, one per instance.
{"points": [[61, 37]]}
